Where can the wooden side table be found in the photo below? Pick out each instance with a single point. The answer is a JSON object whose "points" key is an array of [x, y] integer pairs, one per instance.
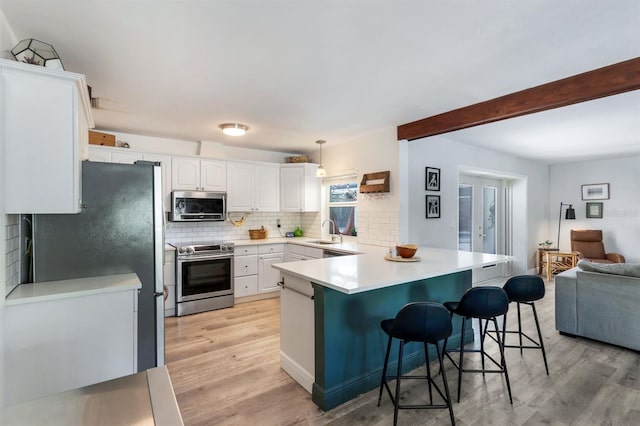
{"points": [[555, 262], [542, 257]]}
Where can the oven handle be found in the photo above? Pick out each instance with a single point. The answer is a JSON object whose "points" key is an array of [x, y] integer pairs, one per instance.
{"points": [[204, 257]]}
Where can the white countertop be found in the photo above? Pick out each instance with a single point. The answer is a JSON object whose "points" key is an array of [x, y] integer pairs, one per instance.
{"points": [[346, 247], [369, 270], [52, 290], [145, 398]]}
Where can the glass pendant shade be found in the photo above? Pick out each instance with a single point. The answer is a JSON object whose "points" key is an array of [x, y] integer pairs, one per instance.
{"points": [[36, 52], [321, 172]]}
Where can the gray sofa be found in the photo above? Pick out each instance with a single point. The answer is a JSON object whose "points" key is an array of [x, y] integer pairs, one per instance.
{"points": [[601, 302]]}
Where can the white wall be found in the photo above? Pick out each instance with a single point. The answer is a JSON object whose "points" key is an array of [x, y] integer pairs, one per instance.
{"points": [[621, 212], [376, 151], [451, 157], [7, 38]]}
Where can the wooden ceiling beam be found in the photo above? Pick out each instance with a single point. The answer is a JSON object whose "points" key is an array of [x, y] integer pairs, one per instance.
{"points": [[610, 80]]}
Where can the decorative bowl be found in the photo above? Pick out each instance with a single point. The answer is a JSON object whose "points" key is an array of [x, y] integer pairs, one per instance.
{"points": [[406, 250]]}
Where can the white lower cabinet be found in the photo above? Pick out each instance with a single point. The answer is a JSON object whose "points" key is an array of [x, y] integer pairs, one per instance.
{"points": [[245, 271], [170, 282], [297, 252], [253, 274], [268, 277], [58, 344], [297, 331], [246, 286]]}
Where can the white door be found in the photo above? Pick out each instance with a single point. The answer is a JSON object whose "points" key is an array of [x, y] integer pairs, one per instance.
{"points": [[267, 188], [291, 189], [185, 174], [213, 175], [480, 223], [125, 157], [99, 155], [268, 277], [240, 187]]}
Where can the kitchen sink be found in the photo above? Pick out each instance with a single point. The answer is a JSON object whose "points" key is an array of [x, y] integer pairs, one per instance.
{"points": [[323, 242]]}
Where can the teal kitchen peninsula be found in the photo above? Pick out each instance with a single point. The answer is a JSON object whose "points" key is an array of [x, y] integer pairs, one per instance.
{"points": [[330, 312]]}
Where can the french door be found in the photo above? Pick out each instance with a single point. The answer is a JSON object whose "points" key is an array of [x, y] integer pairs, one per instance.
{"points": [[480, 222]]}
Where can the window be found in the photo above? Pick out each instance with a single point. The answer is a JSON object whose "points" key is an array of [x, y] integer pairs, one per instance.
{"points": [[343, 205]]}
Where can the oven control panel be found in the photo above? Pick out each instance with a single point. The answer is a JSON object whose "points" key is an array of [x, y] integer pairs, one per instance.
{"points": [[201, 249]]}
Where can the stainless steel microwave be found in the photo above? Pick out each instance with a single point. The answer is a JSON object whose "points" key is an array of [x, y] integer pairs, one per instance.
{"points": [[198, 206]]}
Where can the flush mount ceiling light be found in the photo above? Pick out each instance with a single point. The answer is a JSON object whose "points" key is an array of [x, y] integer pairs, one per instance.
{"points": [[234, 129], [321, 172], [36, 52]]}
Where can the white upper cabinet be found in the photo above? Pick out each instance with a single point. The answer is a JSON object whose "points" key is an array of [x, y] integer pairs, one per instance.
{"points": [[45, 116], [267, 187], [253, 187], [99, 155], [192, 174], [126, 157], [213, 175], [165, 164], [299, 188]]}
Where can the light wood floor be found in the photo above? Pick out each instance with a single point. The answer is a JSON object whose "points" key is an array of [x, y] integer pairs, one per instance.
{"points": [[225, 370]]}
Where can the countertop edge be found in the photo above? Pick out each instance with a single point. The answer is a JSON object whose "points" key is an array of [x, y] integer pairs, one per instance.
{"points": [[293, 268], [166, 411], [78, 287]]}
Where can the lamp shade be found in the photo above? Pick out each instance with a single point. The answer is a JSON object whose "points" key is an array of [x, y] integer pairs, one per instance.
{"points": [[32, 51], [570, 213]]}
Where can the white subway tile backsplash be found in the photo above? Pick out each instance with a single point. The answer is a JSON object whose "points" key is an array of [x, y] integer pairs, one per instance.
{"points": [[378, 227], [12, 252], [225, 231]]}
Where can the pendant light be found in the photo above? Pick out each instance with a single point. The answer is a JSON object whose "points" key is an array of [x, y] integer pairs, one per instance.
{"points": [[321, 172]]}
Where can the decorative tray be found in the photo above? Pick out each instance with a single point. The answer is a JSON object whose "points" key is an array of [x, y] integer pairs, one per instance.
{"points": [[402, 259]]}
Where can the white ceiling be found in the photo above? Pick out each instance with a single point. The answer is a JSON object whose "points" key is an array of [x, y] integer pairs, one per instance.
{"points": [[300, 70]]}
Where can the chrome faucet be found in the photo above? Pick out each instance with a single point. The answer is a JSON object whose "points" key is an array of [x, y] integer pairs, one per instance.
{"points": [[332, 235]]}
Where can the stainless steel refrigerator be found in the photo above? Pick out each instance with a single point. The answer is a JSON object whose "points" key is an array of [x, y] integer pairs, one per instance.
{"points": [[119, 230]]}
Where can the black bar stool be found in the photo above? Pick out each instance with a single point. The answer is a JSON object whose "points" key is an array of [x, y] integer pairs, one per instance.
{"points": [[525, 289], [425, 322], [484, 303]]}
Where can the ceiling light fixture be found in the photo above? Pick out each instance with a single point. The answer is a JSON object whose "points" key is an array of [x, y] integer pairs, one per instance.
{"points": [[321, 172], [234, 129]]}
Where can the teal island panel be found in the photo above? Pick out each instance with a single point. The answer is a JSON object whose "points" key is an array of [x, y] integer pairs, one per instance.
{"points": [[350, 345]]}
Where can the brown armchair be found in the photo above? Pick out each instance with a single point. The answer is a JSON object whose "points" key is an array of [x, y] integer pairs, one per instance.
{"points": [[588, 244]]}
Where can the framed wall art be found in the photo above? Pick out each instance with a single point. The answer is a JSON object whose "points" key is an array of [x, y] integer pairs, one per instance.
{"points": [[595, 191], [432, 179], [433, 206], [594, 210]]}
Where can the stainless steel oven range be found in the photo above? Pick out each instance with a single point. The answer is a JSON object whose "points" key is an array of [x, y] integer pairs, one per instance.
{"points": [[204, 277]]}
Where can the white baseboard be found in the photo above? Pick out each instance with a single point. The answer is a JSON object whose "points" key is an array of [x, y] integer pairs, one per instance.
{"points": [[299, 374]]}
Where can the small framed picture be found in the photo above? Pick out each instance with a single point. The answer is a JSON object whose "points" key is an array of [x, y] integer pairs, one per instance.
{"points": [[594, 210], [433, 206], [595, 191], [432, 179]]}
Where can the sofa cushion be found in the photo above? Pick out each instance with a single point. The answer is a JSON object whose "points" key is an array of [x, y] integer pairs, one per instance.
{"points": [[626, 269]]}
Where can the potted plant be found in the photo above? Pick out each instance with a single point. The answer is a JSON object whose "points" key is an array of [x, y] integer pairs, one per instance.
{"points": [[545, 245]]}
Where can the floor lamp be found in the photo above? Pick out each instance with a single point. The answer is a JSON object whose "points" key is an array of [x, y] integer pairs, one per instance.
{"points": [[570, 214]]}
